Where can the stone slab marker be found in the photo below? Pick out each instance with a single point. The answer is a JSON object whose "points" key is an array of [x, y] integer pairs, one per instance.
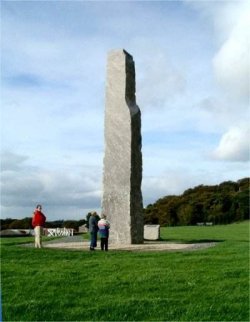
{"points": [[122, 198], [152, 232]]}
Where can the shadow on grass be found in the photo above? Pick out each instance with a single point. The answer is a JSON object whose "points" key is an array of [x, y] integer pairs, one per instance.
{"points": [[191, 241]]}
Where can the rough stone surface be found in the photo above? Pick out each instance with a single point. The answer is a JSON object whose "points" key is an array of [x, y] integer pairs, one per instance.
{"points": [[152, 232], [122, 198]]}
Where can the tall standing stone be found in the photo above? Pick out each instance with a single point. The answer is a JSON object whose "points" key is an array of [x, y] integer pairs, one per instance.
{"points": [[122, 197]]}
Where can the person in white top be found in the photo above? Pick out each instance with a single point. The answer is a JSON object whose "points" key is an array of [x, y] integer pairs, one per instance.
{"points": [[104, 226]]}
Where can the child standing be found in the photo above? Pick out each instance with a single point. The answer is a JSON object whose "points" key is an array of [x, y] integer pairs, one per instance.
{"points": [[104, 226]]}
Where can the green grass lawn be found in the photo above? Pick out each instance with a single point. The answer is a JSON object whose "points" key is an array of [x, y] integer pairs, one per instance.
{"points": [[61, 285]]}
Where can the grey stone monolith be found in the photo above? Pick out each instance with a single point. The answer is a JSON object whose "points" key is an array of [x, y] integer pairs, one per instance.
{"points": [[122, 197]]}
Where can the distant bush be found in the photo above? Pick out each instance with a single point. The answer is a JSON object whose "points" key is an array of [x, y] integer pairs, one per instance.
{"points": [[25, 223], [220, 204]]}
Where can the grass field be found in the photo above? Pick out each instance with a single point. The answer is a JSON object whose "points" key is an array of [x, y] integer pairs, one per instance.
{"points": [[61, 285]]}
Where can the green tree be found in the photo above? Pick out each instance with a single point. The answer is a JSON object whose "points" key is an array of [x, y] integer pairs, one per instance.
{"points": [[71, 224], [220, 204], [24, 223], [185, 214]]}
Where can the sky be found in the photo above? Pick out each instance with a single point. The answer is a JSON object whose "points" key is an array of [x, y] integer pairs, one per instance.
{"points": [[192, 86]]}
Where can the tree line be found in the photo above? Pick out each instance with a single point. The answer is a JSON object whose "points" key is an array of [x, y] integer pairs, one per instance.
{"points": [[218, 204], [26, 223]]}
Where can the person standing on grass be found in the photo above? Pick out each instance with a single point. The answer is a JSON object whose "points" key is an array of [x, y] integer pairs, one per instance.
{"points": [[38, 222], [104, 226], [93, 229]]}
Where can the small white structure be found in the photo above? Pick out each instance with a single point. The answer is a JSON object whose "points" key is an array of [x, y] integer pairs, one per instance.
{"points": [[55, 232], [204, 224], [83, 229], [152, 232]]}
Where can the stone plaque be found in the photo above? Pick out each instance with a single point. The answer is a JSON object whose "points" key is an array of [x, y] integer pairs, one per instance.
{"points": [[152, 232]]}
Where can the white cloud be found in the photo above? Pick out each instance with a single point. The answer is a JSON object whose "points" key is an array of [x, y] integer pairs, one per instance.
{"points": [[11, 161], [171, 182], [159, 81], [234, 145], [23, 187], [232, 61], [229, 105]]}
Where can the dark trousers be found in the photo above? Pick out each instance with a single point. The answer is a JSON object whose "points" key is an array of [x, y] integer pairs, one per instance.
{"points": [[104, 243], [93, 239]]}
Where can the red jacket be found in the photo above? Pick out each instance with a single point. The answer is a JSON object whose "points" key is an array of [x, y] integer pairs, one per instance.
{"points": [[38, 219]]}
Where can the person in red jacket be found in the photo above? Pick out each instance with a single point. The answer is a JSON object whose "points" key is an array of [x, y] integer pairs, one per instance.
{"points": [[38, 222]]}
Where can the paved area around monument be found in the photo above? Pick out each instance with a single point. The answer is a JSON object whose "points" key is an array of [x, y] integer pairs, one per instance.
{"points": [[77, 243]]}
